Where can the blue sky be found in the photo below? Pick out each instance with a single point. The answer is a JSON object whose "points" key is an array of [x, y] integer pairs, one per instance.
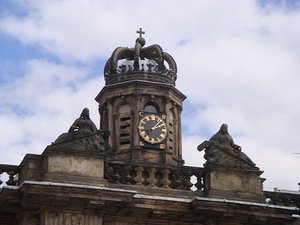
{"points": [[238, 63]]}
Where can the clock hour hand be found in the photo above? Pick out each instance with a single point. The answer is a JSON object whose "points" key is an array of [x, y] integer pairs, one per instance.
{"points": [[159, 126]]}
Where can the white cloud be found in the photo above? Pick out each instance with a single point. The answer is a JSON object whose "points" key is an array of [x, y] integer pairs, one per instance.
{"points": [[41, 105], [238, 63]]}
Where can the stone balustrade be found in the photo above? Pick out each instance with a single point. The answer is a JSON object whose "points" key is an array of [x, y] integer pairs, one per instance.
{"points": [[166, 76], [186, 178], [283, 198], [181, 178], [12, 171]]}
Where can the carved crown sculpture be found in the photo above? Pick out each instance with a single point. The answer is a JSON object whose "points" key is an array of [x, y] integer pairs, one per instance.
{"points": [[140, 63]]}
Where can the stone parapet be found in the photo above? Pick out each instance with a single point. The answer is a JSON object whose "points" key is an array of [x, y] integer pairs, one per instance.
{"points": [[81, 167], [232, 183]]}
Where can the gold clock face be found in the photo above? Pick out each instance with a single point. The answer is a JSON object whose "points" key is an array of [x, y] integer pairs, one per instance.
{"points": [[152, 128]]}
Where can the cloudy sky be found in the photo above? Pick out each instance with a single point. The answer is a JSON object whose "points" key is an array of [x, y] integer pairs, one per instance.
{"points": [[238, 63]]}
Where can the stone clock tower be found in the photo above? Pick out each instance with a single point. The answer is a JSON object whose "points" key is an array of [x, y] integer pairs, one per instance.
{"points": [[140, 106]]}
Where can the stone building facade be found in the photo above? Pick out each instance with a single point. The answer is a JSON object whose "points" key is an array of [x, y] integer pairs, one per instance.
{"points": [[131, 170]]}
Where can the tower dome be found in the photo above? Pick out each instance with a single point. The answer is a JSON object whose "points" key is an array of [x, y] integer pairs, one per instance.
{"points": [[140, 63]]}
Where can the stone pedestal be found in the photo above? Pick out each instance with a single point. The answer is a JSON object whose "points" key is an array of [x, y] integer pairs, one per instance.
{"points": [[232, 183], [78, 167], [31, 168]]}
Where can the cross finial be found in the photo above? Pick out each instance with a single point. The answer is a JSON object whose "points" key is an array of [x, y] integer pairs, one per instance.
{"points": [[141, 32]]}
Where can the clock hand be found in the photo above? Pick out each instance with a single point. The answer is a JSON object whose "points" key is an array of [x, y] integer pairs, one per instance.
{"points": [[160, 125], [157, 124]]}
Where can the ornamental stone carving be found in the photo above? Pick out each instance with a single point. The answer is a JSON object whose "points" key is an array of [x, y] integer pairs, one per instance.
{"points": [[221, 150], [82, 135]]}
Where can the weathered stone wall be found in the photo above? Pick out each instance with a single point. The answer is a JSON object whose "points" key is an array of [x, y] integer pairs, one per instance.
{"points": [[69, 218]]}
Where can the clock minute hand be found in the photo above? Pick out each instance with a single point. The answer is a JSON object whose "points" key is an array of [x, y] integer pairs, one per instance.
{"points": [[157, 124]]}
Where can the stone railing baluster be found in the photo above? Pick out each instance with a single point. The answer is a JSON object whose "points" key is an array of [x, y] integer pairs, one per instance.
{"points": [[122, 174], [199, 185], [165, 182], [151, 179], [109, 173], [139, 179], [187, 180], [12, 172], [11, 180], [176, 179]]}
